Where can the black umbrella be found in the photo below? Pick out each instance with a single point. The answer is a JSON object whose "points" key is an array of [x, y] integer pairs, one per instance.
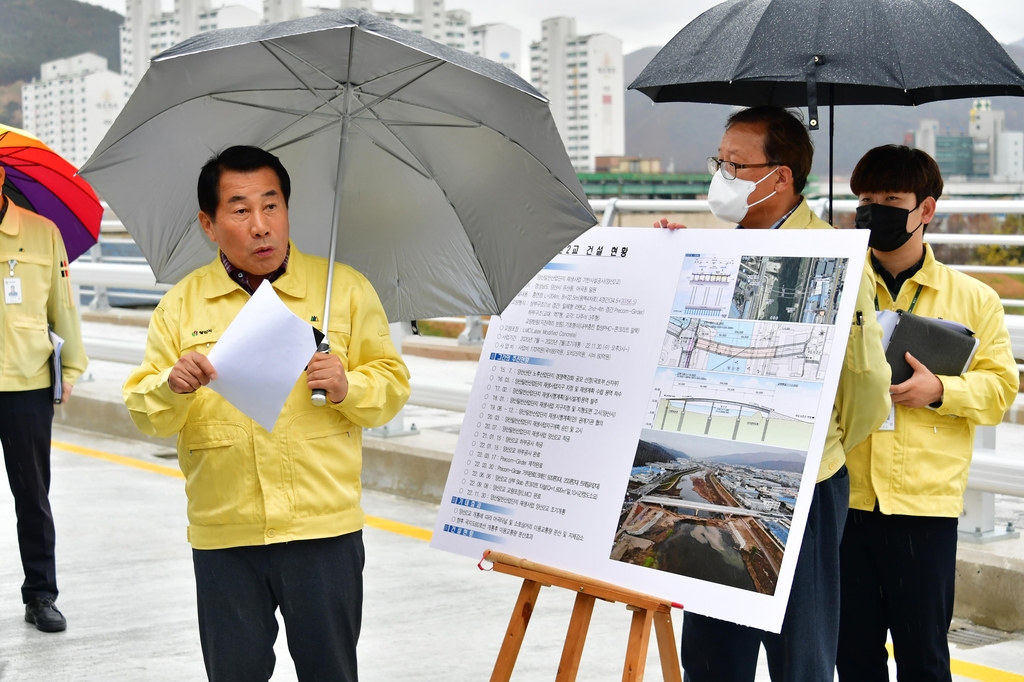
{"points": [[785, 52]]}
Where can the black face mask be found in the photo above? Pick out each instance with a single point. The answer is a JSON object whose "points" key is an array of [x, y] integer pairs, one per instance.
{"points": [[888, 225]]}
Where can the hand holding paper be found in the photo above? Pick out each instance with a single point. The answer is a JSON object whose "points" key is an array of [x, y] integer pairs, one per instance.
{"points": [[260, 356], [190, 372]]}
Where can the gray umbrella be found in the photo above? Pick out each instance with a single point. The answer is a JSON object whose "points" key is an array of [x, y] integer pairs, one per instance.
{"points": [[437, 174]]}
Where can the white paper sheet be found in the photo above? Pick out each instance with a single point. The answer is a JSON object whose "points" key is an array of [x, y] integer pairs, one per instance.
{"points": [[260, 356], [651, 411]]}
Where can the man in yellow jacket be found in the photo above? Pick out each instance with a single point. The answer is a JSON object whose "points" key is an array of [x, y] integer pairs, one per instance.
{"points": [[907, 480], [37, 294], [274, 517], [763, 163]]}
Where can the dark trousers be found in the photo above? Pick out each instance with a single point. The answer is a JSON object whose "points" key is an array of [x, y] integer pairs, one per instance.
{"points": [[26, 421], [317, 584], [898, 574], [805, 651]]}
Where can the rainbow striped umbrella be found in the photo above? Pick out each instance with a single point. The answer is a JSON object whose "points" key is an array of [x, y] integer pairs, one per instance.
{"points": [[41, 180]]}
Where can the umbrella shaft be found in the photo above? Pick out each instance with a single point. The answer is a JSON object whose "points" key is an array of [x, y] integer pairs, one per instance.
{"points": [[342, 144]]}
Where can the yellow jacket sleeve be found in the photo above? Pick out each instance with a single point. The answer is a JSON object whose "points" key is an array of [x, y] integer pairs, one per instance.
{"points": [[862, 400], [378, 380], [985, 392], [153, 406], [62, 314]]}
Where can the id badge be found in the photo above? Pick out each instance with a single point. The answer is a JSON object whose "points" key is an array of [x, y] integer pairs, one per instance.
{"points": [[890, 423], [12, 290]]}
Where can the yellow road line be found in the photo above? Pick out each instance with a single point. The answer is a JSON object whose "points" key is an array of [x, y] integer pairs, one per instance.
{"points": [[971, 671], [119, 459], [388, 525], [405, 529]]}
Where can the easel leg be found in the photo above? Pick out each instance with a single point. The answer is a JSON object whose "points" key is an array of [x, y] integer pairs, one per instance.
{"points": [[670, 670], [575, 638], [636, 650], [516, 631]]}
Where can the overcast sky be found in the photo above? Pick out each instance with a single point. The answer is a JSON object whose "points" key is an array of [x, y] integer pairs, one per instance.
{"points": [[639, 23]]}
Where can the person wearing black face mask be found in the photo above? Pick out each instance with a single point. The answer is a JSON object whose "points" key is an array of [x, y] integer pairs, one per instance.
{"points": [[898, 552]]}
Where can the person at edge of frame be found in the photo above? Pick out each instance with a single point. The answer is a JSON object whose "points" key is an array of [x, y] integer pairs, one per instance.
{"points": [[907, 480], [37, 294], [760, 171], [274, 517]]}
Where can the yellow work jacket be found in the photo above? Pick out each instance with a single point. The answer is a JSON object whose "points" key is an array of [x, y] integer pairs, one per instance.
{"points": [[42, 266], [920, 468], [300, 481], [862, 399]]}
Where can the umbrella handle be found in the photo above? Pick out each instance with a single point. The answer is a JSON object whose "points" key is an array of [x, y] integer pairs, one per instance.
{"points": [[319, 398]]}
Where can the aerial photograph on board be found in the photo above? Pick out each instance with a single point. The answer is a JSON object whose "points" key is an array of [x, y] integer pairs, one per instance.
{"points": [[788, 289], [709, 509]]}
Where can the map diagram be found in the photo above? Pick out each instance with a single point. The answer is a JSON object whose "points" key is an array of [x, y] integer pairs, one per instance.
{"points": [[750, 409], [771, 349], [786, 289]]}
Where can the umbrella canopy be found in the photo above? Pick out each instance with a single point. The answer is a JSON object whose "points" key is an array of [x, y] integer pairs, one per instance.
{"points": [[773, 52], [42, 181], [455, 188]]}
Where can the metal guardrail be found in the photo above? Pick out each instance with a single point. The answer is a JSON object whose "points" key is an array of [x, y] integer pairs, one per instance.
{"points": [[424, 394], [610, 207]]}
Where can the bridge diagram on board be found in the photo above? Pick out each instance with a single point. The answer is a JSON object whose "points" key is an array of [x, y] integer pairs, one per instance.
{"points": [[770, 349], [754, 410]]}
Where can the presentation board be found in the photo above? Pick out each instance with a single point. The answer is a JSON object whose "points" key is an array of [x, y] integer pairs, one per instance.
{"points": [[651, 411]]}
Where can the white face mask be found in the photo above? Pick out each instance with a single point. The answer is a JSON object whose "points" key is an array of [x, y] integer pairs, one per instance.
{"points": [[728, 198]]}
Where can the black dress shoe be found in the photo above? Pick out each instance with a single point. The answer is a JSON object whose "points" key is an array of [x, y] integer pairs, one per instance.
{"points": [[42, 613]]}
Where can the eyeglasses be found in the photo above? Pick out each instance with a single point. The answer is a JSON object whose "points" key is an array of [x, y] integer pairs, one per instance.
{"points": [[729, 168]]}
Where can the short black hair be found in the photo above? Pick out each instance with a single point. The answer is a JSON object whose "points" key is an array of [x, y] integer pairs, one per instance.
{"points": [[897, 168], [240, 159], [786, 141]]}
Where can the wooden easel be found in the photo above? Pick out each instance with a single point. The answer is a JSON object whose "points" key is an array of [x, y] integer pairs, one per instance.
{"points": [[647, 610]]}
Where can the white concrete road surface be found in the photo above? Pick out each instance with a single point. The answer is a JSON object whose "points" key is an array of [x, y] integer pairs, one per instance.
{"points": [[125, 574]]}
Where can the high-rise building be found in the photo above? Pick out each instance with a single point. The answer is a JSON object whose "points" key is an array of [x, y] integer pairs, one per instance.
{"points": [[986, 151], [429, 18], [582, 76], [73, 104], [1009, 156], [498, 42], [148, 31]]}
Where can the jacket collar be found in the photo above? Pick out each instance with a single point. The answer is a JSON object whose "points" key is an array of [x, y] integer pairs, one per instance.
{"points": [[12, 221], [801, 218], [292, 282], [930, 274]]}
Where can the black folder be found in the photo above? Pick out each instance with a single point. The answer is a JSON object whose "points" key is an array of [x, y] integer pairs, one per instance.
{"points": [[946, 348]]}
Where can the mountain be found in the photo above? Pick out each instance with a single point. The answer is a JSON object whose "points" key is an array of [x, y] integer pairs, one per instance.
{"points": [[760, 458], [686, 134], [37, 31], [648, 453]]}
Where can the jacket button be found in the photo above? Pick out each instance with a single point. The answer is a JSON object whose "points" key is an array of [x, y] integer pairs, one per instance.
{"points": [[271, 533], [868, 500]]}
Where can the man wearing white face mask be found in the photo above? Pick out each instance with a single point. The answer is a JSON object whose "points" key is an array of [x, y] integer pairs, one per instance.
{"points": [[761, 168]]}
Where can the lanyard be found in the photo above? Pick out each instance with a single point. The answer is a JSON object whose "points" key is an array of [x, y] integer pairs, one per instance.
{"points": [[913, 304]]}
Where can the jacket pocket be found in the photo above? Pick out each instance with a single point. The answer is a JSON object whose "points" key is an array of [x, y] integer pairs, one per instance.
{"points": [[937, 459], [220, 474], [326, 463], [856, 351], [27, 346]]}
